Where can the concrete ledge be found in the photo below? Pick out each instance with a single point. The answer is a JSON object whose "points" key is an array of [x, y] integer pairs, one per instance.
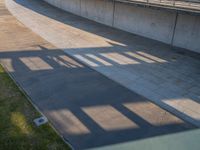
{"points": [[170, 27]]}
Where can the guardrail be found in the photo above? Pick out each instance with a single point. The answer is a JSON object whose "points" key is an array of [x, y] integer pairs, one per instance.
{"points": [[188, 5]]}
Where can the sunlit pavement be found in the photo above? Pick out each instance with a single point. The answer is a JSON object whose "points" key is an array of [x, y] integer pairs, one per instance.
{"points": [[87, 108]]}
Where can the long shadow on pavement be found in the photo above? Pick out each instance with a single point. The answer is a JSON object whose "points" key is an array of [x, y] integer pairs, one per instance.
{"points": [[87, 108]]}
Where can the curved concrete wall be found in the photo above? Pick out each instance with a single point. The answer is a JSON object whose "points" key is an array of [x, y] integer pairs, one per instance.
{"points": [[187, 33], [98, 10], [151, 23], [180, 30]]}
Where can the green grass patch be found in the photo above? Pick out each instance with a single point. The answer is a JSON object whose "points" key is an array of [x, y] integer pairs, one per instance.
{"points": [[17, 130]]}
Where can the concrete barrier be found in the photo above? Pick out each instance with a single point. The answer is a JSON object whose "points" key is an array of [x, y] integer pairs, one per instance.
{"points": [[147, 22], [73, 6], [179, 30], [187, 32], [98, 10]]}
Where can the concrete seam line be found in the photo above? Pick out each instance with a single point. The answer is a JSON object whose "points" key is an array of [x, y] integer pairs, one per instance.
{"points": [[113, 17], [174, 29], [80, 7]]}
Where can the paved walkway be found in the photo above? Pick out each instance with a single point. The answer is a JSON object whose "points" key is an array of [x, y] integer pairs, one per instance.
{"points": [[152, 69], [88, 109]]}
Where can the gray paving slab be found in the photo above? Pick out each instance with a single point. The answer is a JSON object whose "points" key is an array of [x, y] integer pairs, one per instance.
{"points": [[88, 109], [180, 141]]}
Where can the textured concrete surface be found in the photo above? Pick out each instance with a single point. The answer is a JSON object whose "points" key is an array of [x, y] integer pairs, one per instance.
{"points": [[171, 27], [147, 22], [88, 109], [98, 10], [72, 6], [149, 68], [187, 33]]}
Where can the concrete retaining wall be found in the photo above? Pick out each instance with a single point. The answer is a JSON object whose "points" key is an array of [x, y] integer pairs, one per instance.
{"points": [[187, 33], [98, 10], [73, 6], [157, 24], [151, 23]]}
